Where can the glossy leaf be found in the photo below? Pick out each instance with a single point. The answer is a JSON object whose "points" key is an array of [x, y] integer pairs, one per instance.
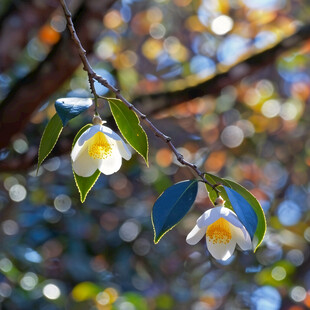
{"points": [[260, 230], [261, 223], [244, 210], [84, 184], [49, 138], [172, 205], [129, 125], [68, 108]]}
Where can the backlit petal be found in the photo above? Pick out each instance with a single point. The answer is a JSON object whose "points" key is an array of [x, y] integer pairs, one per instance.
{"points": [[220, 250], [195, 235], [87, 134], [80, 143], [111, 164], [84, 165], [214, 214], [209, 217], [109, 132], [77, 150], [242, 238], [123, 149]]}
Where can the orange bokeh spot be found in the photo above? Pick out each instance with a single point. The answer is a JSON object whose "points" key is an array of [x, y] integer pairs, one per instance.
{"points": [[182, 3], [193, 23], [296, 308], [164, 157], [49, 35], [307, 300], [216, 161], [300, 90], [113, 19]]}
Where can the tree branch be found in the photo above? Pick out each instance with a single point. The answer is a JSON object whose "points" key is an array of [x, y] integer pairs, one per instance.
{"points": [[92, 74]]}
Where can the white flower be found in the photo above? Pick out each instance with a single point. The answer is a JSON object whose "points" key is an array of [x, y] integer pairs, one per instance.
{"points": [[101, 148], [223, 231]]}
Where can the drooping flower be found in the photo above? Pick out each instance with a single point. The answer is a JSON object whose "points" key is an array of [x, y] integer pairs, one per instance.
{"points": [[99, 147], [223, 230]]}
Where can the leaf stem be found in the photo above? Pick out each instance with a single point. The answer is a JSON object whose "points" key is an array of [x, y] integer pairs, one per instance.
{"points": [[93, 76]]}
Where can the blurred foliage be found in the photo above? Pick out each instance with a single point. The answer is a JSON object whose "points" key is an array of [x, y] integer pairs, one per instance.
{"points": [[59, 254]]}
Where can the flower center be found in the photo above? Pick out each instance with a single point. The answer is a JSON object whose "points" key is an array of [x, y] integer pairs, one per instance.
{"points": [[99, 147], [219, 232]]}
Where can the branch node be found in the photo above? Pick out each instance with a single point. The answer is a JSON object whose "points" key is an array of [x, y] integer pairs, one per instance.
{"points": [[143, 116], [180, 157], [168, 139]]}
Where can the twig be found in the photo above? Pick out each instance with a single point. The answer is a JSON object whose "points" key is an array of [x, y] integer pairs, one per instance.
{"points": [[92, 75], [86, 65]]}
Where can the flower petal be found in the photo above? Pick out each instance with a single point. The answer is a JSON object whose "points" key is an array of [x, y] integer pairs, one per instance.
{"points": [[87, 134], [84, 165], [77, 150], [109, 132], [195, 235], [221, 251], [111, 164], [209, 217], [80, 143], [214, 214], [123, 149], [242, 237]]}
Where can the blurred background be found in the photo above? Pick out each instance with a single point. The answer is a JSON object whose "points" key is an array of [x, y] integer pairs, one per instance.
{"points": [[228, 80]]}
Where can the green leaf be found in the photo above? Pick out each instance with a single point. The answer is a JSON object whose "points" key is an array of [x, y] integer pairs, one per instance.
{"points": [[253, 202], [213, 179], [261, 224], [129, 125], [68, 108], [84, 184], [49, 138], [172, 205], [243, 209]]}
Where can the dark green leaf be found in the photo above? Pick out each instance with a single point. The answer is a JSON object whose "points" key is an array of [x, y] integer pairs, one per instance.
{"points": [[49, 138], [84, 184], [213, 179], [172, 205], [261, 224], [244, 210], [129, 125], [68, 108]]}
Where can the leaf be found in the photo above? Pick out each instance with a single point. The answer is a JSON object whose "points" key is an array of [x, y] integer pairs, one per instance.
{"points": [[129, 125], [49, 138], [172, 205], [84, 184], [231, 192], [244, 210], [213, 179], [68, 108], [261, 223]]}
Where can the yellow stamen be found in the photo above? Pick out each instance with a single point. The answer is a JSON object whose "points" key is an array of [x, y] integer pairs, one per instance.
{"points": [[99, 147], [219, 232]]}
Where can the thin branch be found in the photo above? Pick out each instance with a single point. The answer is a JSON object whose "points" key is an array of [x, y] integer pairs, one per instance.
{"points": [[82, 52], [93, 75]]}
